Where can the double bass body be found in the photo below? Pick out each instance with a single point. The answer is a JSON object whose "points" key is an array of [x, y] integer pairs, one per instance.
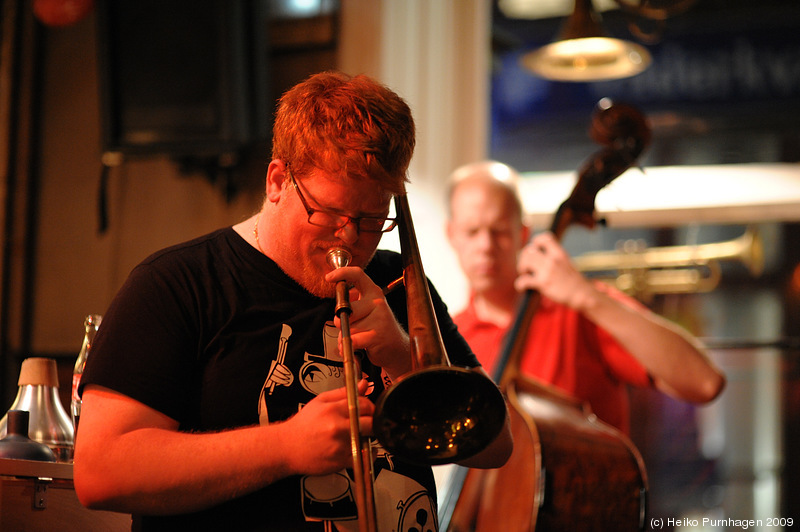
{"points": [[569, 471]]}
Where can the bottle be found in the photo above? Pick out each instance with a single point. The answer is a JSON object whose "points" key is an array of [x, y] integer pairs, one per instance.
{"points": [[38, 394], [91, 323]]}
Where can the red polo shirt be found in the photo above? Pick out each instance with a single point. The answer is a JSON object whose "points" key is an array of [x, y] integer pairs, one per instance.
{"points": [[570, 352]]}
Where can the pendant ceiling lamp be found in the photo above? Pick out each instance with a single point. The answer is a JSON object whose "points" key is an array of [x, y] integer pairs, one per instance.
{"points": [[584, 52]]}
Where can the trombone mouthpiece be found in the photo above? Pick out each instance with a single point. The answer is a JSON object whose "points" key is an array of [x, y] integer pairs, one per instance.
{"points": [[338, 258]]}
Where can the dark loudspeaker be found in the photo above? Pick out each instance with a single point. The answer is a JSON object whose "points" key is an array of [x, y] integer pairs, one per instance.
{"points": [[184, 78]]}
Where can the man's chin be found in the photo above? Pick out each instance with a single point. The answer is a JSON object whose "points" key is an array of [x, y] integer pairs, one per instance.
{"points": [[314, 281], [328, 292], [484, 282], [320, 288]]}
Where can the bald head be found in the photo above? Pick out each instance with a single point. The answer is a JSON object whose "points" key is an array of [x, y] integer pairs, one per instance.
{"points": [[490, 176], [485, 225]]}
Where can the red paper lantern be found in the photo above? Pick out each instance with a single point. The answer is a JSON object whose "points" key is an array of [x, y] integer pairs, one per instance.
{"points": [[61, 12]]}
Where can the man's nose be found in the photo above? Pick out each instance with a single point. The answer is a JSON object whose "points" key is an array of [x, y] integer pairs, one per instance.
{"points": [[348, 233], [484, 240]]}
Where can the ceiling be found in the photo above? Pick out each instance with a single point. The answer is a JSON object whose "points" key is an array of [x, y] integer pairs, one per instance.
{"points": [[724, 88]]}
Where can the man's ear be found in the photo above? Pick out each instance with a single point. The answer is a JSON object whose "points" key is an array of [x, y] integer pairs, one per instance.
{"points": [[448, 229], [525, 235], [276, 176]]}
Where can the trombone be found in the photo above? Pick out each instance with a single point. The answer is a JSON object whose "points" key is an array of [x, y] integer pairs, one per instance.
{"points": [[437, 413], [643, 272]]}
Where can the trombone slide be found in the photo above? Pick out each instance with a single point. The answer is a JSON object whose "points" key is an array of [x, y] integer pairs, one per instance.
{"points": [[359, 445]]}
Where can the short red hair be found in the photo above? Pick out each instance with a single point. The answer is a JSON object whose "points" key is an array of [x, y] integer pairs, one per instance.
{"points": [[345, 125]]}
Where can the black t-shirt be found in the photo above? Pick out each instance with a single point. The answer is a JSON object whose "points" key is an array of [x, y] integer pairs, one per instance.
{"points": [[193, 333]]}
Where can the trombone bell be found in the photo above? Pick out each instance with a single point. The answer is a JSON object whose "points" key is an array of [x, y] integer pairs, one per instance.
{"points": [[439, 415]]}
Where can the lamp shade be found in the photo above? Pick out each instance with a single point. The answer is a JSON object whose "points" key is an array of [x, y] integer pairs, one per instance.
{"points": [[583, 51]]}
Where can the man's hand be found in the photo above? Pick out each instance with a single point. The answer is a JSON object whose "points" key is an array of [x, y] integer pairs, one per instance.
{"points": [[322, 432], [544, 265], [373, 326]]}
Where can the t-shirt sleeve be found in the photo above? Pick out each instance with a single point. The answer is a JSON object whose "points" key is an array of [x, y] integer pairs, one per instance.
{"points": [[144, 347]]}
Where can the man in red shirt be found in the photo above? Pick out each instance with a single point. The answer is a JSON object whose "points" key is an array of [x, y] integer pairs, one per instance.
{"points": [[587, 339]]}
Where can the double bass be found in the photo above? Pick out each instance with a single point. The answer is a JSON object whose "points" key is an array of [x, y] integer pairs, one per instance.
{"points": [[569, 470]]}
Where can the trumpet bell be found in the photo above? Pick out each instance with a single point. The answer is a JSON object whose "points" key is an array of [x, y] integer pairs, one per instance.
{"points": [[439, 415], [643, 272]]}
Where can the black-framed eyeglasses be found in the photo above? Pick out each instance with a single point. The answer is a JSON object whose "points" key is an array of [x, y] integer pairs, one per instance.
{"points": [[335, 220]]}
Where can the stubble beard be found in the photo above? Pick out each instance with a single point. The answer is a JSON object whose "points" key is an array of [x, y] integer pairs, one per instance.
{"points": [[315, 283]]}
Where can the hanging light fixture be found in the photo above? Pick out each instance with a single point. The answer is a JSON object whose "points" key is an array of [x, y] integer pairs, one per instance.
{"points": [[584, 52]]}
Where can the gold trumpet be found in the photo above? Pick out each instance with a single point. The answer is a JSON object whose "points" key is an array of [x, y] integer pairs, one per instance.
{"points": [[643, 272]]}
